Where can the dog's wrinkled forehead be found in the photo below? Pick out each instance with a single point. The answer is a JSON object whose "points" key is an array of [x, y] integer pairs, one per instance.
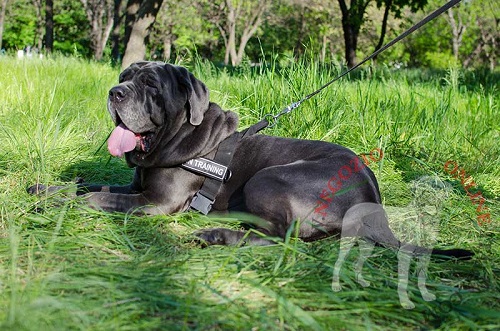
{"points": [[147, 68]]}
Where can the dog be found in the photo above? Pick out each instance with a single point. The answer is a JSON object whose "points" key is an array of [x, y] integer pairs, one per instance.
{"points": [[416, 226], [163, 119]]}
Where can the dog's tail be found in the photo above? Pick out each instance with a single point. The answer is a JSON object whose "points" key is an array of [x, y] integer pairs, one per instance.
{"points": [[458, 253]]}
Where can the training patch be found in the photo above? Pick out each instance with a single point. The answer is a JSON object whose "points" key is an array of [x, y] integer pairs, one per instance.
{"points": [[207, 168]]}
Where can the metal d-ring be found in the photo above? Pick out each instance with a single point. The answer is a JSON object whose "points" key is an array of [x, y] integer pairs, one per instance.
{"points": [[272, 121]]}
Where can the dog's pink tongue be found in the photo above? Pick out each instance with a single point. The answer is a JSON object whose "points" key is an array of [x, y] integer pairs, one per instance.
{"points": [[121, 140]]}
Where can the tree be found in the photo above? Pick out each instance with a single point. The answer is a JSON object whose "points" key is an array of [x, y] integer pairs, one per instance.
{"points": [[2, 19], [100, 16], [237, 19], [352, 20], [180, 27], [19, 25], [313, 25], [458, 29], [486, 32], [40, 23], [49, 25], [141, 15], [116, 31], [396, 7]]}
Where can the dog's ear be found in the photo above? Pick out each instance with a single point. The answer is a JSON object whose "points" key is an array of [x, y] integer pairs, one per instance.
{"points": [[197, 96]]}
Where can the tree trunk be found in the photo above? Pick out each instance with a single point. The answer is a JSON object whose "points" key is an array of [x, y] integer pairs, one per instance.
{"points": [[100, 16], [2, 19], [40, 24], [457, 31], [352, 18], [167, 48], [115, 33], [383, 29], [49, 25], [132, 10], [230, 54], [351, 43], [168, 41], [298, 50], [250, 29], [136, 45], [475, 53]]}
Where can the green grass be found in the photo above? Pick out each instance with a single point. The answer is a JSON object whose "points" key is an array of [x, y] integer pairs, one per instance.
{"points": [[68, 267]]}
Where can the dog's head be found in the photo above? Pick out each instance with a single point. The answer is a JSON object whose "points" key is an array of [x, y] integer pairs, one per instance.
{"points": [[151, 98]]}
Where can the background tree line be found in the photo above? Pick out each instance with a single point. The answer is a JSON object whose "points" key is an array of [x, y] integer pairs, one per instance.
{"points": [[234, 31]]}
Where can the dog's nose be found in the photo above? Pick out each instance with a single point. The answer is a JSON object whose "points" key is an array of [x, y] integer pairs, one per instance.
{"points": [[117, 93]]}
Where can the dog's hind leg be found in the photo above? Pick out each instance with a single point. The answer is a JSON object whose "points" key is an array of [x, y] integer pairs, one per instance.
{"points": [[404, 259], [346, 244], [422, 266], [365, 251], [356, 224]]}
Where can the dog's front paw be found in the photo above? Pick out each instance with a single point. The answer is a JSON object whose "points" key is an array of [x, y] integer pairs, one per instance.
{"points": [[211, 236], [36, 189], [336, 287]]}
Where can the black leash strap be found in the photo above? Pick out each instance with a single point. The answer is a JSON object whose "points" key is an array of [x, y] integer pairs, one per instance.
{"points": [[427, 19]]}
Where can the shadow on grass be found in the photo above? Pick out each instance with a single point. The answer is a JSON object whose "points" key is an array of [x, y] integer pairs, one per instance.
{"points": [[102, 169]]}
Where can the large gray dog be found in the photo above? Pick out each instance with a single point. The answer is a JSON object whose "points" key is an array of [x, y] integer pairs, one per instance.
{"points": [[164, 118]]}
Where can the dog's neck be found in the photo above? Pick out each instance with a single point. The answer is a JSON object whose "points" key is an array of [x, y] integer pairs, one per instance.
{"points": [[184, 141]]}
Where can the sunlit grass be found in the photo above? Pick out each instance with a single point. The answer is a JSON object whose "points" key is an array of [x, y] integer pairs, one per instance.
{"points": [[69, 267]]}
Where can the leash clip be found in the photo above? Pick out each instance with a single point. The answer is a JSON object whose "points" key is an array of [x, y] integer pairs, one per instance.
{"points": [[274, 118]]}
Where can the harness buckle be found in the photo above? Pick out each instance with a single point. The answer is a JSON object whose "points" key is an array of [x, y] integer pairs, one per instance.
{"points": [[201, 203]]}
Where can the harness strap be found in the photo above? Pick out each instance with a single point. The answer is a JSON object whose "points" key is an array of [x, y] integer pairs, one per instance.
{"points": [[217, 171]]}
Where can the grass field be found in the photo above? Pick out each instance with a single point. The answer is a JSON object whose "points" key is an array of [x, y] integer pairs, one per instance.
{"points": [[64, 266]]}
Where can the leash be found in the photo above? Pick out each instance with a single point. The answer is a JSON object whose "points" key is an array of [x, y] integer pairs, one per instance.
{"points": [[294, 105]]}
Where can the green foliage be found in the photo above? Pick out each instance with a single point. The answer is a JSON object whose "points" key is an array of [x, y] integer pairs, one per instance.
{"points": [[64, 266], [19, 29], [69, 36], [440, 60], [70, 24], [290, 29]]}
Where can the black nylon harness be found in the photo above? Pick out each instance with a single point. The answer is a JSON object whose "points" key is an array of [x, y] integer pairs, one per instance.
{"points": [[217, 171]]}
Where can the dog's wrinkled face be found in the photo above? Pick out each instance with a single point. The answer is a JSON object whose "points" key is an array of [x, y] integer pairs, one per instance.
{"points": [[149, 97]]}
